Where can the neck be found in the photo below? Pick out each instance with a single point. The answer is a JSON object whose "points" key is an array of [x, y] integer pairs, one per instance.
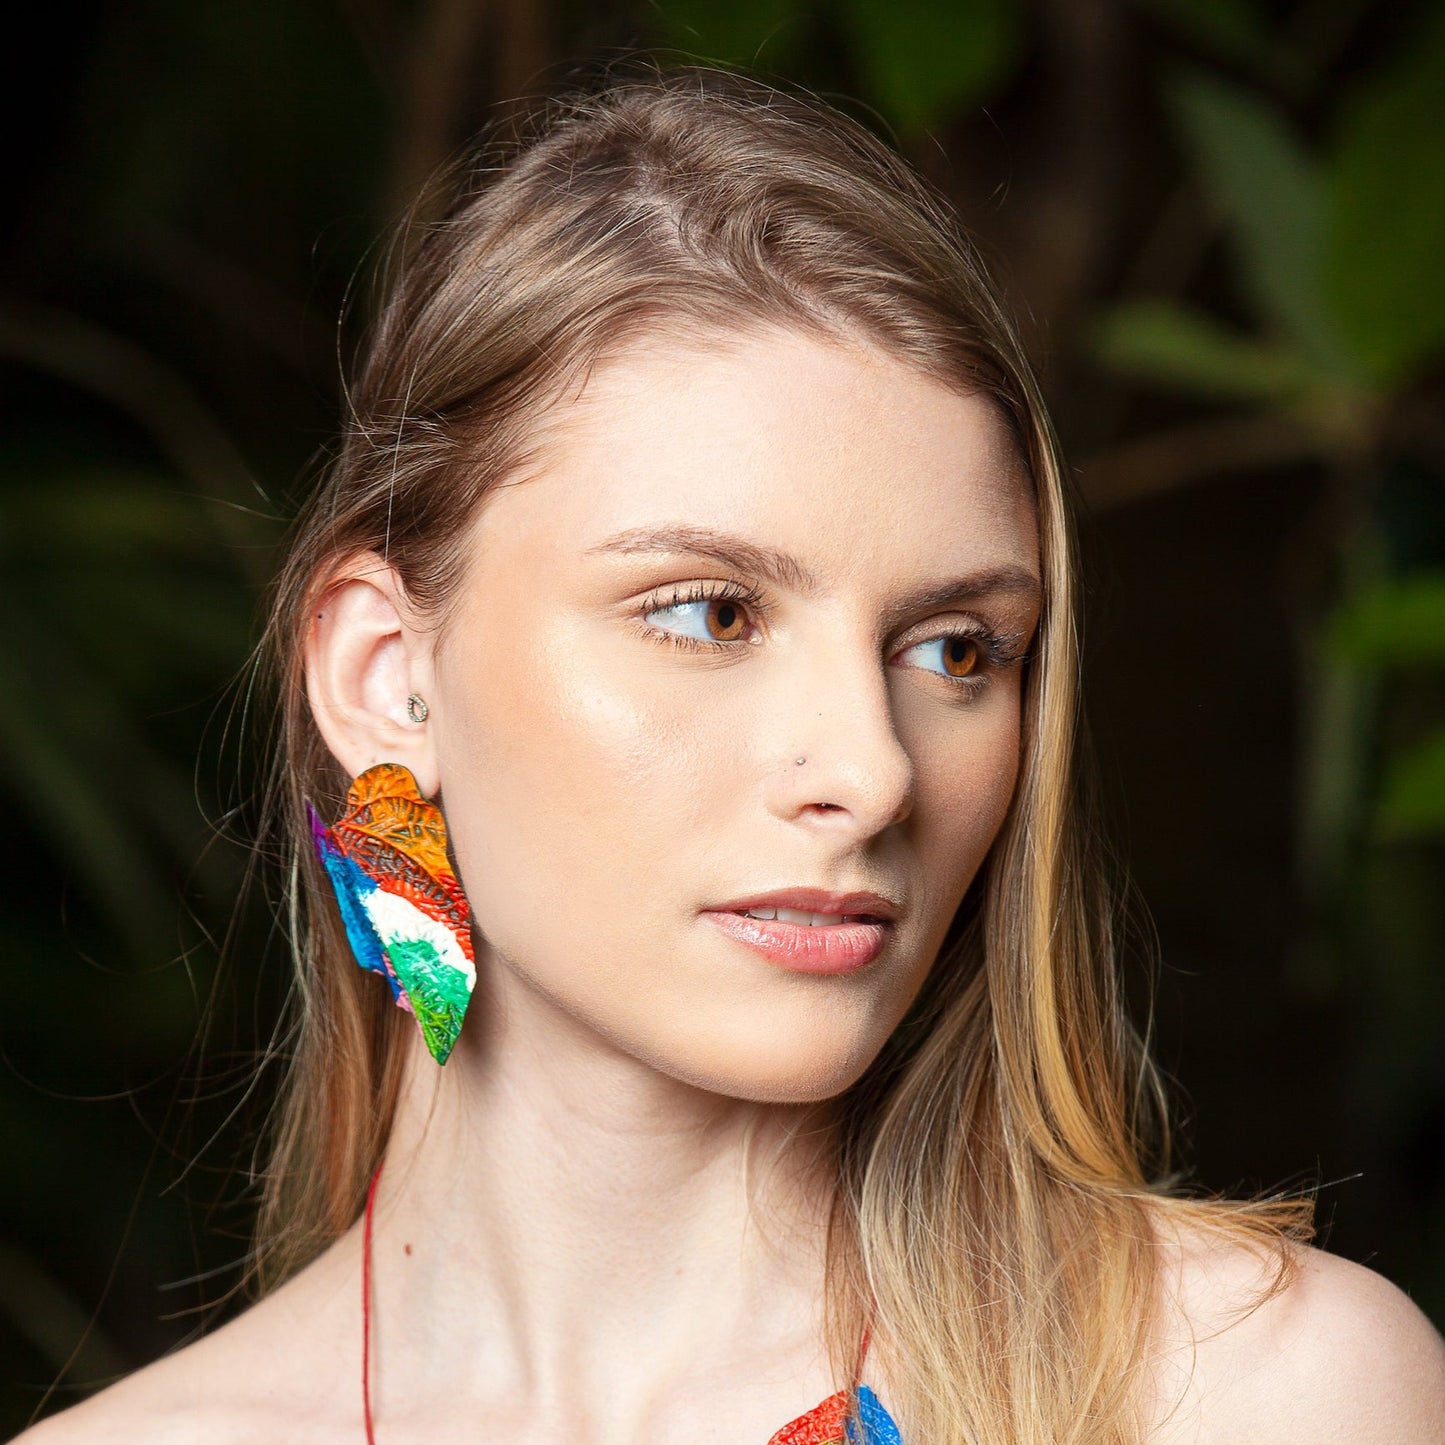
{"points": [[558, 1222]]}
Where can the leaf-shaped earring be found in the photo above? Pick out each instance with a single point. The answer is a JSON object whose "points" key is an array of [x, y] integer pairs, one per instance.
{"points": [[405, 914]]}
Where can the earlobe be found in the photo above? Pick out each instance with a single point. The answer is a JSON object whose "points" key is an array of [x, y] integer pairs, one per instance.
{"points": [[364, 665]]}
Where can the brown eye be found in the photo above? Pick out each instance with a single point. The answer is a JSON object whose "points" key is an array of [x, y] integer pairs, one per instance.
{"points": [[726, 621], [704, 620], [960, 656]]}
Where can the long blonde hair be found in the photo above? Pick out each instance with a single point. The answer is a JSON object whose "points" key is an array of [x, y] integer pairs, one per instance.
{"points": [[994, 1192]]}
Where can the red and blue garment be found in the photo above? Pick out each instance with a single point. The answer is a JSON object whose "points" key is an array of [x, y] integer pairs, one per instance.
{"points": [[828, 1423]]}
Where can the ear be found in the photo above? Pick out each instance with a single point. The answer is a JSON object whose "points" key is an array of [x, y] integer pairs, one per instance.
{"points": [[364, 656]]}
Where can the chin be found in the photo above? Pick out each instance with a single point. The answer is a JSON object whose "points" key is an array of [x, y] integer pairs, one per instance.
{"points": [[818, 1060]]}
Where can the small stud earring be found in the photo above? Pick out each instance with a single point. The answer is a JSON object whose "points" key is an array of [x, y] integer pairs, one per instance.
{"points": [[416, 708], [799, 763]]}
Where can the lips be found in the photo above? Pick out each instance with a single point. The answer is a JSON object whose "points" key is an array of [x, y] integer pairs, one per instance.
{"points": [[810, 930], [833, 948], [873, 906]]}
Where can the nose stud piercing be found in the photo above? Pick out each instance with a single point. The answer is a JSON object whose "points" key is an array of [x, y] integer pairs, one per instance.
{"points": [[416, 708], [799, 763]]}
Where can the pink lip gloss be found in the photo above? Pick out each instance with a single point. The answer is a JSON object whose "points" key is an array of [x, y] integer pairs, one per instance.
{"points": [[828, 948]]}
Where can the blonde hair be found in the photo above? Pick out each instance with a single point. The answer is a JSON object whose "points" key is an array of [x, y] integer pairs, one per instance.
{"points": [[993, 1196]]}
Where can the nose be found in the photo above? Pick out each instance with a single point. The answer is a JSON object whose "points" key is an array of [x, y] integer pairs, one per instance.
{"points": [[835, 713]]}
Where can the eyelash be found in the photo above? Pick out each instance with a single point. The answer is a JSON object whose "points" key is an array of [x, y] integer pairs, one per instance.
{"points": [[999, 650]]}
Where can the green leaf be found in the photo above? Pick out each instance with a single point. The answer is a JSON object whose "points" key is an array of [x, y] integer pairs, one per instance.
{"points": [[1413, 801], [1385, 239], [1271, 193], [1166, 343], [1395, 623], [747, 32], [923, 60]]}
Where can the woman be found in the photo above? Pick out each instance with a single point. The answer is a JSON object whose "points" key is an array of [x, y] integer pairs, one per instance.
{"points": [[679, 658]]}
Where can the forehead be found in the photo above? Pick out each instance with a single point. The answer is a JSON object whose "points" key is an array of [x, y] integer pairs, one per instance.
{"points": [[832, 450]]}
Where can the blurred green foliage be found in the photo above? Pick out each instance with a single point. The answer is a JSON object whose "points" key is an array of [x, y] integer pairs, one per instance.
{"points": [[1337, 249], [1220, 221]]}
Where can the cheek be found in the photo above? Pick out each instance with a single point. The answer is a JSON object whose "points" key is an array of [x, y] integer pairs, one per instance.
{"points": [[965, 781], [992, 777], [572, 779]]}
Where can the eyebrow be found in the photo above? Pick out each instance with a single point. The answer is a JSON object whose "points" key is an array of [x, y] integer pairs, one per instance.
{"points": [[785, 571]]}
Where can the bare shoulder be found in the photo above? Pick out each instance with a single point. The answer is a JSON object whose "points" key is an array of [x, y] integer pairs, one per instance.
{"points": [[1336, 1352], [276, 1372]]}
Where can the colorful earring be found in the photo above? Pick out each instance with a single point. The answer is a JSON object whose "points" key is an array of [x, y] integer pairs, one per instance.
{"points": [[405, 914]]}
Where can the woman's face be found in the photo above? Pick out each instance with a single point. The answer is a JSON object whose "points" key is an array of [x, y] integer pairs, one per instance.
{"points": [[752, 625]]}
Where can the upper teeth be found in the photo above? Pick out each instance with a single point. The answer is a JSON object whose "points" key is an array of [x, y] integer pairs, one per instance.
{"points": [[796, 915]]}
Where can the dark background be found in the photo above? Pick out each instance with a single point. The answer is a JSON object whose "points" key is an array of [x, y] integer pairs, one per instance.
{"points": [[1222, 222]]}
